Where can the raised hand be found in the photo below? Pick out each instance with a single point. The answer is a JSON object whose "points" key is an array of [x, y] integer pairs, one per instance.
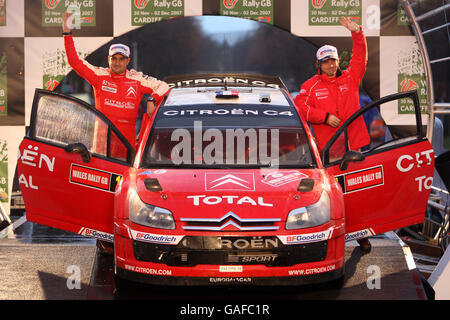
{"points": [[349, 24], [67, 21]]}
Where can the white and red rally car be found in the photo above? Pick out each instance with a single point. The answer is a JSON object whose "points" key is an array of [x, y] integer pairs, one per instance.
{"points": [[227, 185]]}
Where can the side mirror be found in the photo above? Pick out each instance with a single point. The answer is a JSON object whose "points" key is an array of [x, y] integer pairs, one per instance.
{"points": [[350, 156], [81, 149]]}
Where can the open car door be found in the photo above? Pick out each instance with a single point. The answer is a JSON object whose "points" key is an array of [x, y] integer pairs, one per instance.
{"points": [[387, 183], [69, 164]]}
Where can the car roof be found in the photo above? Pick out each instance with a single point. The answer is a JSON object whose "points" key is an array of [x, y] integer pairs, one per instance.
{"points": [[225, 89], [212, 95]]}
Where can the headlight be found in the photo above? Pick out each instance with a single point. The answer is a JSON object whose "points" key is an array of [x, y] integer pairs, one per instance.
{"points": [[148, 215], [310, 216]]}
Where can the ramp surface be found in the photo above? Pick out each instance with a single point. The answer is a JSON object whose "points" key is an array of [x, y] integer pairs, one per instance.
{"points": [[50, 265], [44, 271]]}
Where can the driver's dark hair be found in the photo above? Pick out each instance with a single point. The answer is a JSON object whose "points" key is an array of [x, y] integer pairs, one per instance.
{"points": [[338, 72]]}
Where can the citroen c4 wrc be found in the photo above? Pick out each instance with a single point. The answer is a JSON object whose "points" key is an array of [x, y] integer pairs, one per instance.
{"points": [[227, 185]]}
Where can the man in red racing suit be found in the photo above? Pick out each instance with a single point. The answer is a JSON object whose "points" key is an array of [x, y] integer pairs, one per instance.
{"points": [[329, 98], [118, 91]]}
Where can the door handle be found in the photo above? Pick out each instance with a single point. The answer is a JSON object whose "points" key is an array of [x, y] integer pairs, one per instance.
{"points": [[81, 149], [350, 156]]}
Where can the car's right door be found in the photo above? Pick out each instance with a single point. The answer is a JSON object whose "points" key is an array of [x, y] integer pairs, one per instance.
{"points": [[386, 184]]}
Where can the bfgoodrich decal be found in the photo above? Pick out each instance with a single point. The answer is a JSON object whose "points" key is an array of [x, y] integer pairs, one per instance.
{"points": [[307, 238], [96, 234], [359, 234], [155, 238]]}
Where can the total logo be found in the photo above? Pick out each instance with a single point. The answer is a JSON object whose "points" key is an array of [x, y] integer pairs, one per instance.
{"points": [[213, 200]]}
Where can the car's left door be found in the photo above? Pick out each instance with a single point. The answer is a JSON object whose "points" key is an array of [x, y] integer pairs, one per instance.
{"points": [[69, 164]]}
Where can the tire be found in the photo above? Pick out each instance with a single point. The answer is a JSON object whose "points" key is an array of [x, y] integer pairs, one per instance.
{"points": [[338, 283]]}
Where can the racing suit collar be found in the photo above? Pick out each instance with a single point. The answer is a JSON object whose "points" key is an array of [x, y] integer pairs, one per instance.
{"points": [[113, 75], [326, 78]]}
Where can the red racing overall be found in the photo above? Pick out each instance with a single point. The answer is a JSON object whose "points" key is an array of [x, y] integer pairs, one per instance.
{"points": [[320, 96], [116, 95]]}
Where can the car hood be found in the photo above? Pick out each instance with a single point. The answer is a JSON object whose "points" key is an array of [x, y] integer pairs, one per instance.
{"points": [[212, 194]]}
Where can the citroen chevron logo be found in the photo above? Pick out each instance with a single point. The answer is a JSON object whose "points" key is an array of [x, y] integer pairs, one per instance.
{"points": [[131, 92], [229, 219], [241, 181], [229, 178]]}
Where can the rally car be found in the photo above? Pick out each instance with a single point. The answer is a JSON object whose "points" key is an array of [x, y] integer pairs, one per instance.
{"points": [[227, 185]]}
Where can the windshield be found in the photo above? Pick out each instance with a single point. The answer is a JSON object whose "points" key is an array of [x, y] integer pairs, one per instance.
{"points": [[227, 135]]}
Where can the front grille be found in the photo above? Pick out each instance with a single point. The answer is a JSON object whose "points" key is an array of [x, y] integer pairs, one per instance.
{"points": [[193, 250]]}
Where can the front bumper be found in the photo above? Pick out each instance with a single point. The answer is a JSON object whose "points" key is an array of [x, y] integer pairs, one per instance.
{"points": [[207, 250], [230, 280], [197, 260]]}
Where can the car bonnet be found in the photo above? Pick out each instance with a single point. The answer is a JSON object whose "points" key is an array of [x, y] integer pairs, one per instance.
{"points": [[211, 194]]}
